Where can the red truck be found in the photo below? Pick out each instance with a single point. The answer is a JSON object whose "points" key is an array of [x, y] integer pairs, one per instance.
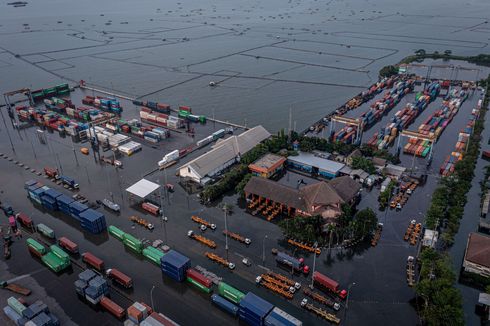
{"points": [[24, 220], [69, 245], [112, 307], [328, 284], [151, 208], [93, 261], [51, 172], [120, 277]]}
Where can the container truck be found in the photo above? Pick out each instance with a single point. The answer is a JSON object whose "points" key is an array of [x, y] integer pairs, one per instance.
{"points": [[120, 277], [51, 172], [68, 245], [151, 208], [326, 283], [69, 182], [112, 307], [293, 263], [45, 230], [93, 261], [24, 220]]}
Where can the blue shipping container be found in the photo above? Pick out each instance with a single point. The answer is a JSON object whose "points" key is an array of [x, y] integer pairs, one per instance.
{"points": [[253, 308], [225, 305], [278, 317]]}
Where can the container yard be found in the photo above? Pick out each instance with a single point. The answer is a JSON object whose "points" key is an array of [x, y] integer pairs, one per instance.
{"points": [[63, 201]]}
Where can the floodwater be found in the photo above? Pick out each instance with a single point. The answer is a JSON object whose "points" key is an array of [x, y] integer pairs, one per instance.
{"points": [[268, 58]]}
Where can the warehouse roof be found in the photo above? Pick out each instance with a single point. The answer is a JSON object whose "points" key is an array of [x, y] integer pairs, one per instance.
{"points": [[267, 162], [315, 161], [275, 191], [226, 150], [345, 187], [143, 188], [478, 249], [319, 194]]}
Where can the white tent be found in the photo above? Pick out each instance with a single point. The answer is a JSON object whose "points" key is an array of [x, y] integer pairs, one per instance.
{"points": [[143, 188]]}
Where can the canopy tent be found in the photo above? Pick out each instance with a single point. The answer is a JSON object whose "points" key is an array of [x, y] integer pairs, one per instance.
{"points": [[143, 188]]}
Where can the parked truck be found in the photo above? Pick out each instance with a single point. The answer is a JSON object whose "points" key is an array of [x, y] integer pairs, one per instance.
{"points": [[291, 262], [24, 220], [326, 283], [93, 261], [120, 277], [51, 172], [70, 182], [68, 245], [151, 208]]}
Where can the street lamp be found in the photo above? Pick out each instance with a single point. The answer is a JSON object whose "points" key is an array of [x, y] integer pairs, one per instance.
{"points": [[263, 249], [314, 263], [151, 297], [347, 301], [226, 231]]}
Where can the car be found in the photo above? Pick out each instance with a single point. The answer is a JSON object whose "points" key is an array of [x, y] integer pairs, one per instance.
{"points": [[107, 203], [246, 262]]}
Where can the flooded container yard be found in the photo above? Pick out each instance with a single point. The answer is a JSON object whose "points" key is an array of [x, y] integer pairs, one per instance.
{"points": [[235, 66]]}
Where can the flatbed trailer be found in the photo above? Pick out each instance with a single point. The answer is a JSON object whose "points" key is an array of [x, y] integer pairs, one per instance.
{"points": [[320, 312], [303, 246], [237, 237], [219, 260], [15, 288], [321, 299], [210, 243], [201, 221]]}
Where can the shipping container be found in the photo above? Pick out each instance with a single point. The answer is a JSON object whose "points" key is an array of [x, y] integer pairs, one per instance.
{"points": [[45, 230], [24, 220], [198, 277], [254, 309], [68, 245], [112, 307], [278, 317], [327, 283], [120, 277], [115, 232], [230, 293], [225, 305], [93, 261]]}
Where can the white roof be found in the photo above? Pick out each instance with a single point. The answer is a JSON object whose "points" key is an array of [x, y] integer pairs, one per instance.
{"points": [[143, 188], [315, 161], [226, 150]]}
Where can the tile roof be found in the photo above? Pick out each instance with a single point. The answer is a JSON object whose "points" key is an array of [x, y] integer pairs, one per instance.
{"points": [[478, 249]]}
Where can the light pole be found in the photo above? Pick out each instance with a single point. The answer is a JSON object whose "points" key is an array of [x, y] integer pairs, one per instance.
{"points": [[226, 232], [347, 301], [263, 250], [314, 264], [151, 297], [164, 224]]}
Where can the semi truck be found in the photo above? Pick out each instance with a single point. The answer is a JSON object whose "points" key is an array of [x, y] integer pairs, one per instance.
{"points": [[326, 283], [69, 182], [293, 263], [120, 277]]}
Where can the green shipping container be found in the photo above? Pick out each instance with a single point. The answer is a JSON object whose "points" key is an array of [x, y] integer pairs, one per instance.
{"points": [[37, 96], [116, 233], [16, 305], [60, 253], [45, 230], [52, 261], [230, 293], [183, 114], [202, 119], [62, 87], [36, 246], [153, 255], [199, 285], [132, 247], [128, 238]]}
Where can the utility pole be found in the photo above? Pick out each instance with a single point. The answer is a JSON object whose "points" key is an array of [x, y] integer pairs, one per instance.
{"points": [[314, 264], [263, 250], [226, 233]]}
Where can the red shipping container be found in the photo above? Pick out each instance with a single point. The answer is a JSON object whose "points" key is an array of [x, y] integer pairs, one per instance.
{"points": [[112, 307], [120, 277], [68, 245], [93, 261], [198, 277], [163, 106], [185, 108], [145, 109], [135, 313], [34, 252], [24, 220]]}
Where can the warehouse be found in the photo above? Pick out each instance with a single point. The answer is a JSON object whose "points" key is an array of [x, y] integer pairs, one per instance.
{"points": [[314, 165], [265, 197], [267, 166], [477, 255], [224, 154]]}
